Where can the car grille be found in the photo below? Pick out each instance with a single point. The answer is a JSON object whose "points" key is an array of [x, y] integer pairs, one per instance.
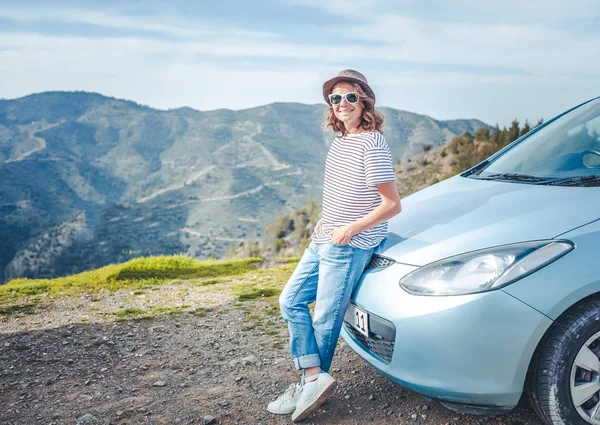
{"points": [[382, 335], [379, 262]]}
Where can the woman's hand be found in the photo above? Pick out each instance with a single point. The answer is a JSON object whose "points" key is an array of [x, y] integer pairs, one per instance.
{"points": [[341, 235]]}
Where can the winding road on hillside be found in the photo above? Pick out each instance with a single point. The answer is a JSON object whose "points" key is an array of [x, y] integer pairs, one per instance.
{"points": [[41, 142], [176, 186]]}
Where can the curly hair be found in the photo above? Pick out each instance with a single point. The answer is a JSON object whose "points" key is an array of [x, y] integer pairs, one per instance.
{"points": [[372, 120]]}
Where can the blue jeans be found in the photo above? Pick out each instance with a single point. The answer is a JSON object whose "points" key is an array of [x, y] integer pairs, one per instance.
{"points": [[327, 274]]}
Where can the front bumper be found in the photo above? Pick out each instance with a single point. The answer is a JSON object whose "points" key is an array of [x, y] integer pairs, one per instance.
{"points": [[469, 349]]}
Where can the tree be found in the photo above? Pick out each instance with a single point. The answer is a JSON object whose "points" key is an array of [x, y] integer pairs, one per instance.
{"points": [[513, 131], [482, 134], [526, 129]]}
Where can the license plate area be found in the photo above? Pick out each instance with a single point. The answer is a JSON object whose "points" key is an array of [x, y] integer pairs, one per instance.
{"points": [[359, 319]]}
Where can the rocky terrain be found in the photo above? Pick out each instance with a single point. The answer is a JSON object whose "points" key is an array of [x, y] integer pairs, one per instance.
{"points": [[185, 353]]}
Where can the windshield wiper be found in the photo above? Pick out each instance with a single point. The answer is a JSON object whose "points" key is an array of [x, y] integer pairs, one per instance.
{"points": [[512, 177], [592, 180]]}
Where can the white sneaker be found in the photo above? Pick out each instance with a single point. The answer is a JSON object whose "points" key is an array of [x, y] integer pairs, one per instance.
{"points": [[286, 402], [313, 395]]}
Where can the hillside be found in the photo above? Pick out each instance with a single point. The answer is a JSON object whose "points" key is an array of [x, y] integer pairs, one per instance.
{"points": [[89, 180]]}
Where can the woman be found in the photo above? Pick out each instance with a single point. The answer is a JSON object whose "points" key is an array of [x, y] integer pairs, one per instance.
{"points": [[359, 196]]}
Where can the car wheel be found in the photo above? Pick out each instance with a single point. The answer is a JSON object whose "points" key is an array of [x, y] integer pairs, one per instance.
{"points": [[564, 385]]}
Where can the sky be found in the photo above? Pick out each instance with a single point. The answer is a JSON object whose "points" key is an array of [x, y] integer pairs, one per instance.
{"points": [[492, 60]]}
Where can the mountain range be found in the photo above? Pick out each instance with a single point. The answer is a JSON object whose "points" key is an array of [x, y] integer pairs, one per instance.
{"points": [[87, 180]]}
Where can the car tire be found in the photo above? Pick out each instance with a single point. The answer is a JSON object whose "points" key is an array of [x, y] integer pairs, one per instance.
{"points": [[552, 371]]}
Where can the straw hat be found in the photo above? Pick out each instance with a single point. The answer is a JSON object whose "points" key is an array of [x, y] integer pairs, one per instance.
{"points": [[351, 76]]}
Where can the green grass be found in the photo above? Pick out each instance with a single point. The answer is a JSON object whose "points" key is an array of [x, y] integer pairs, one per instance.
{"points": [[249, 327], [139, 313], [130, 312], [209, 282], [241, 277], [270, 311], [251, 292], [13, 310], [168, 310], [288, 260], [264, 283], [137, 274], [182, 267]]}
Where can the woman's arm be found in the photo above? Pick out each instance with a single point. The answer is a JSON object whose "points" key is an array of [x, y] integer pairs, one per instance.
{"points": [[389, 207]]}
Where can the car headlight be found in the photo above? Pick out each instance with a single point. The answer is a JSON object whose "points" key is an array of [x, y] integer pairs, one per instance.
{"points": [[484, 270]]}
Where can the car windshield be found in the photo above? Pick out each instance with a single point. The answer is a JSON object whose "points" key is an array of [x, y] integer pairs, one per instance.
{"points": [[565, 152]]}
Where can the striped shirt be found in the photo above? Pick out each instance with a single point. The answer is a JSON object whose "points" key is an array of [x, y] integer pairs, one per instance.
{"points": [[355, 164]]}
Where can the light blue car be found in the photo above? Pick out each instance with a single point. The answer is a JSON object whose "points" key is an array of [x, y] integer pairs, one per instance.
{"points": [[488, 285]]}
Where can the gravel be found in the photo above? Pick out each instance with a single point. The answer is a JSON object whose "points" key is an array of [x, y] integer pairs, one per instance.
{"points": [[220, 366]]}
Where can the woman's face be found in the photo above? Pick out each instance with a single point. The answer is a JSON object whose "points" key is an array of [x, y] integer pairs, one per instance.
{"points": [[348, 113]]}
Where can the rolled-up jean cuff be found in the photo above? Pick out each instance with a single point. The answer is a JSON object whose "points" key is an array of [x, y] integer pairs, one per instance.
{"points": [[304, 362]]}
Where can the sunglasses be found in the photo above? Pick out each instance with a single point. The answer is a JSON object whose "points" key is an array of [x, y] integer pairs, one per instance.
{"points": [[336, 99]]}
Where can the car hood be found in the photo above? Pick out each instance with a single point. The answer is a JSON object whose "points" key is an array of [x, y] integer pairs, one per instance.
{"points": [[464, 214]]}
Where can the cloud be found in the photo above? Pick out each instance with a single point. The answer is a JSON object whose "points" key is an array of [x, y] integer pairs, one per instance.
{"points": [[524, 36], [157, 73], [167, 25], [389, 37], [511, 40], [417, 62], [533, 12]]}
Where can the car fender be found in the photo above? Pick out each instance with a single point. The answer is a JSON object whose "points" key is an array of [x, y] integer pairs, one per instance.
{"points": [[565, 282]]}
